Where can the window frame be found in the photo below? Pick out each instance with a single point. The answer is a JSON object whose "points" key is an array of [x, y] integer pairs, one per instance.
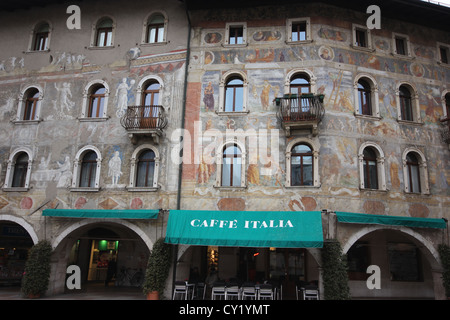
{"points": [[446, 47], [423, 172], [86, 105], [445, 101], [146, 26], [228, 27], [315, 147], [32, 43], [220, 160], [22, 105], [375, 106], [367, 37], [380, 166], [95, 33], [415, 107], [406, 43], [289, 25], [134, 169], [77, 170], [226, 77], [10, 171]]}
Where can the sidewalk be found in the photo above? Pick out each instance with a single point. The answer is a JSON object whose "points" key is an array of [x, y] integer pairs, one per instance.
{"points": [[95, 291]]}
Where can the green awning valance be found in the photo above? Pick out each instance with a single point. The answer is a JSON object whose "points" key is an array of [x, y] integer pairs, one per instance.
{"points": [[92, 213], [292, 229], [362, 218]]}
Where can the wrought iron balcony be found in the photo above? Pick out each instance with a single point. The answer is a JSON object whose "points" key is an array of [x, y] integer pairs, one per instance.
{"points": [[300, 112], [445, 135], [144, 121]]}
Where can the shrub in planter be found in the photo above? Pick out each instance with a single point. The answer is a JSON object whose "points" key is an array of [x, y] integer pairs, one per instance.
{"points": [[37, 270], [157, 268], [444, 254], [335, 276]]}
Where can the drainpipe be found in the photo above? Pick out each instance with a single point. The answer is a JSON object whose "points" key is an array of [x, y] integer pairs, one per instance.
{"points": [[180, 169]]}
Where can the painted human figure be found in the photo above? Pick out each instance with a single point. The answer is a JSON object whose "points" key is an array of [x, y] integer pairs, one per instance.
{"points": [[122, 96], [115, 168]]}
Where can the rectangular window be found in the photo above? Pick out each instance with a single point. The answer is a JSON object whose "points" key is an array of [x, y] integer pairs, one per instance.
{"points": [[236, 35], [444, 53], [298, 31], [104, 37], [400, 45], [41, 41], [361, 38]]}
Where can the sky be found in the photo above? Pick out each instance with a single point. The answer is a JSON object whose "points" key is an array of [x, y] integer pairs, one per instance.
{"points": [[442, 2]]}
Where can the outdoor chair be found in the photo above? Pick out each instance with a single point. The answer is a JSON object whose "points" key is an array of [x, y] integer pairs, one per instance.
{"points": [[310, 293], [232, 291], [265, 292], [248, 290], [180, 289], [218, 290]]}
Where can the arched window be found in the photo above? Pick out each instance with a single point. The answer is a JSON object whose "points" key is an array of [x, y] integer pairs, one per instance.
{"points": [[155, 28], [86, 173], [20, 171], [104, 33], [88, 170], [231, 166], [370, 168], [150, 94], [299, 84], [447, 105], [31, 103], [413, 171], [234, 94], [406, 108], [145, 169], [301, 165], [97, 102], [364, 98], [41, 37]]}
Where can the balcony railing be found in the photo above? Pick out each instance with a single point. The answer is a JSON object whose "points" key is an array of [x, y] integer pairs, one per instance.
{"points": [[299, 112], [144, 121], [445, 135]]}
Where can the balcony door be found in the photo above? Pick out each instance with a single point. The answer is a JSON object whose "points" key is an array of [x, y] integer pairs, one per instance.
{"points": [[150, 110]]}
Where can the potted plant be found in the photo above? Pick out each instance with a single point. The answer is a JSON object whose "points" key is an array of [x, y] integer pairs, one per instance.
{"points": [[157, 270], [444, 254], [37, 270]]}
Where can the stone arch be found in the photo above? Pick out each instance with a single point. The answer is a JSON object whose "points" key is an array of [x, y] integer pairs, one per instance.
{"points": [[23, 224]]}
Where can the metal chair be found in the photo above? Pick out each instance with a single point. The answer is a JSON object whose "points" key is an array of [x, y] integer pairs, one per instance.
{"points": [[218, 290], [265, 292], [310, 293], [232, 290], [180, 288], [248, 290]]}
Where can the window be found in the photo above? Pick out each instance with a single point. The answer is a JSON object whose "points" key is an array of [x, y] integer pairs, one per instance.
{"points": [[362, 38], [29, 106], [415, 171], [18, 172], [299, 84], [298, 30], [404, 262], [104, 33], [155, 29], [443, 53], [233, 93], [231, 166], [371, 166], [358, 259], [150, 95], [88, 170], [144, 169], [236, 34], [408, 103], [302, 163], [364, 100], [41, 37], [405, 104], [86, 173], [445, 98], [370, 169], [95, 101], [400, 45]]}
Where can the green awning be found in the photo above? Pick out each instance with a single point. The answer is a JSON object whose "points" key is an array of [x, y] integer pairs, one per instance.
{"points": [[92, 213], [362, 218], [292, 229]]}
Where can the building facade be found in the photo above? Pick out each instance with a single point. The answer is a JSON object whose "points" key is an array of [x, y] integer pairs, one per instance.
{"points": [[289, 108]]}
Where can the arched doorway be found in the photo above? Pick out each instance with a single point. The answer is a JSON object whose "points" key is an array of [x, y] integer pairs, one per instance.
{"points": [[95, 244], [408, 262], [15, 242]]}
